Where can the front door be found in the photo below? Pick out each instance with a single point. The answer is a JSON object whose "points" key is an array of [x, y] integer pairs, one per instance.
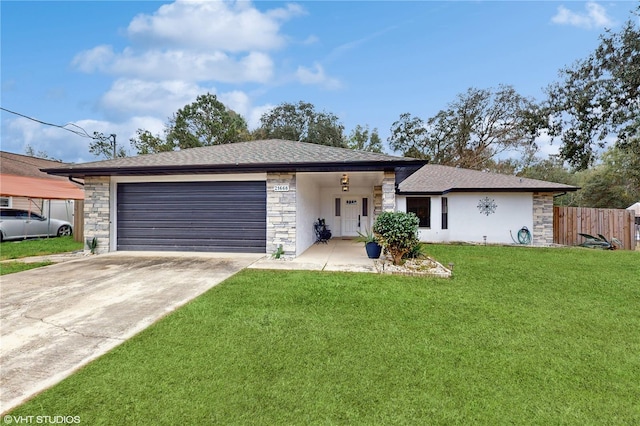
{"points": [[350, 216]]}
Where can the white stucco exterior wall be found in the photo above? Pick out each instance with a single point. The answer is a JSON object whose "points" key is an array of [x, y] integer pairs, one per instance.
{"points": [[467, 223], [307, 211]]}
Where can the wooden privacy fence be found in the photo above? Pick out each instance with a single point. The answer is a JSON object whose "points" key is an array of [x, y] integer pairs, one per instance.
{"points": [[568, 222]]}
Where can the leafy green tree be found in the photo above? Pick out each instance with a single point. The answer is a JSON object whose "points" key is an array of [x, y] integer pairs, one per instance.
{"points": [[361, 139], [553, 169], [301, 122], [598, 97], [615, 183], [206, 122], [473, 130], [146, 143]]}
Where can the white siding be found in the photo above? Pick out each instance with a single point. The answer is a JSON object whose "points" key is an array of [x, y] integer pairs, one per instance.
{"points": [[467, 223]]}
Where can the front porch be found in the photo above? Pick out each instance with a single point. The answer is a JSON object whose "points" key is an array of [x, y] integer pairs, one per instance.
{"points": [[295, 201]]}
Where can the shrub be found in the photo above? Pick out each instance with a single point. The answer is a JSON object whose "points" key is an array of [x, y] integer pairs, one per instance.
{"points": [[418, 251], [397, 232]]}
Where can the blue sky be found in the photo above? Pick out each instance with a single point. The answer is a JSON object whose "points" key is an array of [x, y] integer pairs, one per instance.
{"points": [[116, 66]]}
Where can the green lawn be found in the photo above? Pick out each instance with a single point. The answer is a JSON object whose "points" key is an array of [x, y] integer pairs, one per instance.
{"points": [[518, 336], [37, 247], [13, 267]]}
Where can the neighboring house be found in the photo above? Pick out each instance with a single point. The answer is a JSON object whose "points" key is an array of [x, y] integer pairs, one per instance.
{"points": [[465, 205], [24, 186], [245, 197]]}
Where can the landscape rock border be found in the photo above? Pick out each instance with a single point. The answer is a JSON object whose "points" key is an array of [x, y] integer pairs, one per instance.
{"points": [[425, 267]]}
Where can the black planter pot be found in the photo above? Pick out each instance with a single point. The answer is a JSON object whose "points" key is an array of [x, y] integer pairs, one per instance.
{"points": [[373, 250]]}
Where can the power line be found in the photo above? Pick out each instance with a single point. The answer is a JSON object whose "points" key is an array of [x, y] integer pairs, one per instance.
{"points": [[82, 133]]}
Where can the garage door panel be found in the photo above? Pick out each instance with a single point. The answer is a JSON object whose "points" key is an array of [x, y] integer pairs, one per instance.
{"points": [[192, 216]]}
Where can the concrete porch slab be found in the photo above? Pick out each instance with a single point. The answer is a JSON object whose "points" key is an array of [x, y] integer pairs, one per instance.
{"points": [[344, 255]]}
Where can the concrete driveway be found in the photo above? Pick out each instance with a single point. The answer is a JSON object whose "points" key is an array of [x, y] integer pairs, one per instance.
{"points": [[58, 318]]}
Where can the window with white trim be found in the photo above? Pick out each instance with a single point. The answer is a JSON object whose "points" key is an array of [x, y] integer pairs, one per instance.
{"points": [[5, 201]]}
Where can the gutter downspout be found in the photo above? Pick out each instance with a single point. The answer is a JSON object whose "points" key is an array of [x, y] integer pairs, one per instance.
{"points": [[76, 181]]}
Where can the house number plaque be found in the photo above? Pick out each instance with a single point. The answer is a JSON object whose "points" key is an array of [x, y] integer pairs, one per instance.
{"points": [[281, 188]]}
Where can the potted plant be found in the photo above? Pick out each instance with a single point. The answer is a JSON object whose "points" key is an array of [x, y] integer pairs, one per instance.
{"points": [[370, 244]]}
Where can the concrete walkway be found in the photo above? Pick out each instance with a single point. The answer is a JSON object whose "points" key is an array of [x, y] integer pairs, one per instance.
{"points": [[337, 255]]}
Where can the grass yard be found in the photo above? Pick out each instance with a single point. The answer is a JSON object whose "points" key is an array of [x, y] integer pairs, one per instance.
{"points": [[13, 267], [37, 247], [518, 336]]}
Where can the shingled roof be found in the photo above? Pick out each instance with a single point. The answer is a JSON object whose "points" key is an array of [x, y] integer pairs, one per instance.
{"points": [[437, 179], [253, 156], [24, 165]]}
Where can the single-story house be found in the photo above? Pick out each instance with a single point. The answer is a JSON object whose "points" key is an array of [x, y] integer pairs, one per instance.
{"points": [[24, 186], [256, 196]]}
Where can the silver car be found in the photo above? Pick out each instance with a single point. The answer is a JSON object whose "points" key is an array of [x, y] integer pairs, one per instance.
{"points": [[16, 224]]}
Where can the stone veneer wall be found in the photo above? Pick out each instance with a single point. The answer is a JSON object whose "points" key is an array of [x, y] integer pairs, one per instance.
{"points": [[389, 192], [281, 214], [97, 212], [542, 218]]}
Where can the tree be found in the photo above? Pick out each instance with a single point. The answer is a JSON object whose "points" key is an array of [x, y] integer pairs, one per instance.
{"points": [[106, 146], [361, 139], [205, 122], [31, 152], [301, 122], [615, 183], [598, 97], [146, 143], [473, 130], [553, 169]]}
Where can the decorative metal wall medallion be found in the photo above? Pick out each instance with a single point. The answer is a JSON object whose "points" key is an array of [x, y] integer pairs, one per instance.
{"points": [[487, 206]]}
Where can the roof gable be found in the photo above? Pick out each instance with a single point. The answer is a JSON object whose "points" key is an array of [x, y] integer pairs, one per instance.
{"points": [[438, 179]]}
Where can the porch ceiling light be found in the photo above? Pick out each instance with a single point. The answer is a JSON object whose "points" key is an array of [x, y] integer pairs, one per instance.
{"points": [[345, 188], [344, 181]]}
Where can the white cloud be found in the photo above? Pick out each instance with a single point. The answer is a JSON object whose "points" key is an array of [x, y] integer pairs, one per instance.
{"points": [[141, 97], [316, 75], [231, 26], [180, 64], [594, 17], [96, 59]]}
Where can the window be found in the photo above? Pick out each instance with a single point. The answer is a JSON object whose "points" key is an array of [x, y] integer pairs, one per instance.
{"points": [[365, 207], [445, 213], [5, 201], [337, 206], [421, 206]]}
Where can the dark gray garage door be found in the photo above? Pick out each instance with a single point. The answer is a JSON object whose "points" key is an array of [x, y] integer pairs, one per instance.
{"points": [[192, 216]]}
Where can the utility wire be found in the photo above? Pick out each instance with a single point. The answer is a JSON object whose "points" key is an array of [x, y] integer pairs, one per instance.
{"points": [[82, 133]]}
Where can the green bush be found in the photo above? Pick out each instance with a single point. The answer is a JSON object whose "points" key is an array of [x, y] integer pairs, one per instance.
{"points": [[397, 232]]}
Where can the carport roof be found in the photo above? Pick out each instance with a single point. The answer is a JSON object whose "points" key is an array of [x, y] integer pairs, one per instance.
{"points": [[436, 179], [242, 157]]}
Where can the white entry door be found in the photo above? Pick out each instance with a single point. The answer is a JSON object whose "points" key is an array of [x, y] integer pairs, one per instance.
{"points": [[350, 216]]}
